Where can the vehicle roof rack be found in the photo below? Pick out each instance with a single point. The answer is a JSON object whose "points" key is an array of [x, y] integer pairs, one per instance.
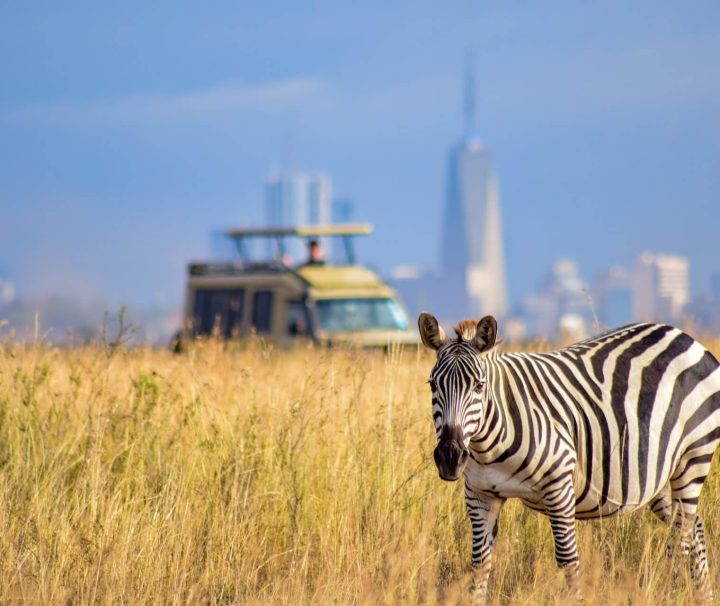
{"points": [[229, 268], [344, 230], [302, 231]]}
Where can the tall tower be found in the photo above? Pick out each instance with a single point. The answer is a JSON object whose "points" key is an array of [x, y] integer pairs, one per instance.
{"points": [[472, 248]]}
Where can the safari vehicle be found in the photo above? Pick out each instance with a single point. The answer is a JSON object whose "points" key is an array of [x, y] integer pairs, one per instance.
{"points": [[326, 303]]}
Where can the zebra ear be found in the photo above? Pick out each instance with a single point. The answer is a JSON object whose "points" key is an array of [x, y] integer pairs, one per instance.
{"points": [[486, 333], [431, 333]]}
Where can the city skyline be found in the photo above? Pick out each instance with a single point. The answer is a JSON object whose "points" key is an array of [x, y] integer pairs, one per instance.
{"points": [[114, 170], [567, 306]]}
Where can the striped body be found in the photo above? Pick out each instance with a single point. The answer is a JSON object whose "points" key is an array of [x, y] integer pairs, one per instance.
{"points": [[623, 413], [605, 426]]}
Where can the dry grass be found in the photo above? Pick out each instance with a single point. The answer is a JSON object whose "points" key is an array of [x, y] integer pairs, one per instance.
{"points": [[251, 476]]}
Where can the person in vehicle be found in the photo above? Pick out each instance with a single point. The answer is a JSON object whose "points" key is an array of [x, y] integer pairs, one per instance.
{"points": [[316, 256]]}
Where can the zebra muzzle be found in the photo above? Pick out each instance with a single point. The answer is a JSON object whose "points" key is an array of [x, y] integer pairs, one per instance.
{"points": [[450, 458]]}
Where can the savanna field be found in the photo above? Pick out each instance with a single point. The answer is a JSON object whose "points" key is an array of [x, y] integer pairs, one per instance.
{"points": [[248, 475]]}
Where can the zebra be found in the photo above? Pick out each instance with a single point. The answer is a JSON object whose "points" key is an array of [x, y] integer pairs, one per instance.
{"points": [[602, 427]]}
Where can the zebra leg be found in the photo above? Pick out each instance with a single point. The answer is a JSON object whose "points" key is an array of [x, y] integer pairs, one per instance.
{"points": [[560, 508], [688, 535], [698, 556], [662, 507], [484, 513], [688, 526]]}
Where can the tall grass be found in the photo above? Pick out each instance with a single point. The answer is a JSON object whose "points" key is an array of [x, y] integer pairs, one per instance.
{"points": [[251, 476]]}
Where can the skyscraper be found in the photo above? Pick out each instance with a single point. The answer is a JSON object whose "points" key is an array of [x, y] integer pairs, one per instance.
{"points": [[472, 249], [298, 199], [661, 287]]}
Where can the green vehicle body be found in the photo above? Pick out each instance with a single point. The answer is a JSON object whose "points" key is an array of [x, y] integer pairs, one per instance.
{"points": [[345, 304]]}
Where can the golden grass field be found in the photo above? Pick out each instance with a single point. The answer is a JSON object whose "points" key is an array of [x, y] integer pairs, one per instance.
{"points": [[231, 475]]}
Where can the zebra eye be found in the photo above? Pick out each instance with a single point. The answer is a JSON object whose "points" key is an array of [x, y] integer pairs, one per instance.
{"points": [[432, 384], [479, 386]]}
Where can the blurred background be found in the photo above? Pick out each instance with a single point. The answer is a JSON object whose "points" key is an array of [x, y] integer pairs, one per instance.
{"points": [[556, 166]]}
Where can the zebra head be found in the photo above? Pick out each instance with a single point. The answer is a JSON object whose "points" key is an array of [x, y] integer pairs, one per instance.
{"points": [[457, 381]]}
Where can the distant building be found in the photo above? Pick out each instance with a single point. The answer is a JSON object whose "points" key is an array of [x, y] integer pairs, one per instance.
{"points": [[472, 246], [471, 281], [514, 330], [613, 298], [472, 252], [661, 287], [562, 309], [541, 316], [298, 199]]}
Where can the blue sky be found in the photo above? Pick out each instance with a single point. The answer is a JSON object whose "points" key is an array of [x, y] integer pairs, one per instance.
{"points": [[129, 131]]}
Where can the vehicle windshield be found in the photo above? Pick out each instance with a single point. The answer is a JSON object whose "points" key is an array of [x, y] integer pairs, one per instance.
{"points": [[346, 315]]}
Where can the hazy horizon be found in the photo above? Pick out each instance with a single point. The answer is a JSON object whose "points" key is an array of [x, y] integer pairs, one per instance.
{"points": [[130, 132]]}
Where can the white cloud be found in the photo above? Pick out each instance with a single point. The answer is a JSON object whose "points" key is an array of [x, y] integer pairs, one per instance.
{"points": [[215, 101]]}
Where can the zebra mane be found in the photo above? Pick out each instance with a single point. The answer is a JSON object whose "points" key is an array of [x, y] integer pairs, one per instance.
{"points": [[465, 330]]}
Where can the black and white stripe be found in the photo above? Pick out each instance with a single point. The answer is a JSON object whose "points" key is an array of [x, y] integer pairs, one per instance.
{"points": [[626, 419]]}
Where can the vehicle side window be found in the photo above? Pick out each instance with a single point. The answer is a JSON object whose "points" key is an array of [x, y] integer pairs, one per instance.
{"points": [[236, 303], [297, 319], [203, 315], [218, 309], [262, 311]]}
